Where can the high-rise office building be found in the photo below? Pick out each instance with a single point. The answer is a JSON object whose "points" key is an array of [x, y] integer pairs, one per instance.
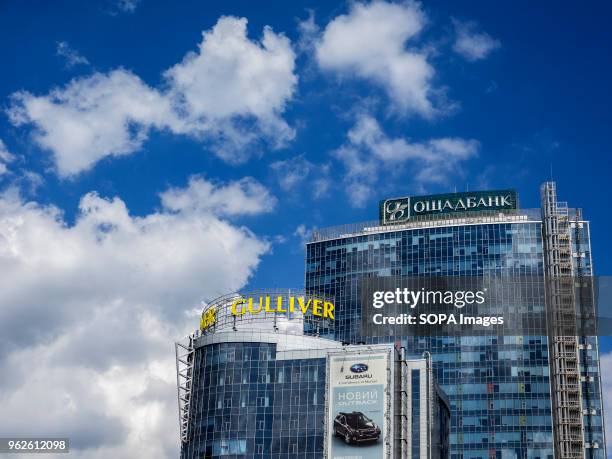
{"points": [[525, 396]]}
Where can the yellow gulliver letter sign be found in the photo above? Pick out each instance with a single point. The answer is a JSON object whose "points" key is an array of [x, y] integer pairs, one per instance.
{"points": [[278, 304]]}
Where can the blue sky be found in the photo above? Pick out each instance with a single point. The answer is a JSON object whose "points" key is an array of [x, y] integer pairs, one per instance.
{"points": [[437, 97], [541, 98]]}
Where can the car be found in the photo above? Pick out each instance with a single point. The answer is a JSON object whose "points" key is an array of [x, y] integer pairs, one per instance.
{"points": [[355, 427]]}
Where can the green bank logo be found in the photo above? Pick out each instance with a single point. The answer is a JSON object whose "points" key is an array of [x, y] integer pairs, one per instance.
{"points": [[398, 210]]}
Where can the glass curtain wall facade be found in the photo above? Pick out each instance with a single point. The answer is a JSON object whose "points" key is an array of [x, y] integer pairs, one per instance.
{"points": [[261, 395], [249, 404], [499, 388]]}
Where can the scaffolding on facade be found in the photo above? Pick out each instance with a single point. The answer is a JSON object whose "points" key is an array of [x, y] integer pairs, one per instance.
{"points": [[562, 313], [184, 379]]}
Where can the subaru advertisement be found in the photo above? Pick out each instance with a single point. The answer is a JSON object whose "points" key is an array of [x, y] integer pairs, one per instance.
{"points": [[357, 403]]}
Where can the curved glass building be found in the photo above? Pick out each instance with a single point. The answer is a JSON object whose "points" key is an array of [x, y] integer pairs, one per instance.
{"points": [[260, 381]]}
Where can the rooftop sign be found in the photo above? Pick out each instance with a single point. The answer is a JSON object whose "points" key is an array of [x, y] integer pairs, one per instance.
{"points": [[399, 210], [281, 304], [208, 318], [287, 311]]}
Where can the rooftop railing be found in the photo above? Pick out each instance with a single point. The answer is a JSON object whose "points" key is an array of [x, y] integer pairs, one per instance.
{"points": [[425, 221]]}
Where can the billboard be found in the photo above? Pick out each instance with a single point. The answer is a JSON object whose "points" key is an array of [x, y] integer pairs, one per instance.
{"points": [[399, 210], [358, 405]]}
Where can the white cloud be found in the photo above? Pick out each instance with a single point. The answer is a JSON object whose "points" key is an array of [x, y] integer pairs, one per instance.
{"points": [[308, 31], [295, 173], [370, 42], [303, 233], [360, 174], [470, 43], [126, 6], [89, 311], [26, 180], [231, 75], [29, 182], [5, 158], [369, 152], [93, 117], [242, 197], [231, 93], [321, 186], [5, 155], [71, 56]]}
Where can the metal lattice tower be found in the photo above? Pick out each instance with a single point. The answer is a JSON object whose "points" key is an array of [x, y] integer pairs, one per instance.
{"points": [[184, 379], [563, 346]]}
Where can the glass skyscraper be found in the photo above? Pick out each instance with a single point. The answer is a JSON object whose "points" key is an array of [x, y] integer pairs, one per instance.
{"points": [[501, 388]]}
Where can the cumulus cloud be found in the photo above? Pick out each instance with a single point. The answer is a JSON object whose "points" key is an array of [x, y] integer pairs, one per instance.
{"points": [[71, 56], [472, 44], [89, 311], [294, 173], [231, 77], [231, 93], [243, 197], [370, 42], [93, 117], [369, 152]]}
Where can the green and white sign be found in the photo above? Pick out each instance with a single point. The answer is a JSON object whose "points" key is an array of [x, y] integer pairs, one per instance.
{"points": [[399, 210]]}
